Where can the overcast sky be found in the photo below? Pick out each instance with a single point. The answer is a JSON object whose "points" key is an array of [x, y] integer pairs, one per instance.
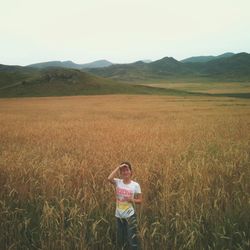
{"points": [[120, 31]]}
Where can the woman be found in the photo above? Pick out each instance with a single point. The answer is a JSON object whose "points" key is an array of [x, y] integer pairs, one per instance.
{"points": [[128, 193]]}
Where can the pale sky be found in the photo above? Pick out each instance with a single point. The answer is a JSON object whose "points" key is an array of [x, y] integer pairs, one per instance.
{"points": [[120, 31]]}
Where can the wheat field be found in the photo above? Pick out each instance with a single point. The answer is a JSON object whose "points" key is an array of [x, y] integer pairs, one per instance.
{"points": [[190, 156]]}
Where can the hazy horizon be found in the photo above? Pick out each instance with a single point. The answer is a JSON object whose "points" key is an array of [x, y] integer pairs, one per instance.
{"points": [[120, 31], [120, 62]]}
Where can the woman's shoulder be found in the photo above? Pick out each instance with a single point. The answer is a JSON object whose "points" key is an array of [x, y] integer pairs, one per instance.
{"points": [[136, 187], [117, 180], [135, 183]]}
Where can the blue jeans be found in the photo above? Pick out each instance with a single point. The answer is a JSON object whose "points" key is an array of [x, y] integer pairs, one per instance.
{"points": [[127, 233]]}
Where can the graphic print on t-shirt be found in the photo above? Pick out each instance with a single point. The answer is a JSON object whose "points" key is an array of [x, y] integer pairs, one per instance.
{"points": [[125, 192], [123, 205]]}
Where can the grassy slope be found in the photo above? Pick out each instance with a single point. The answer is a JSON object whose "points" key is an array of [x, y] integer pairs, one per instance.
{"points": [[24, 82], [234, 69], [11, 75], [230, 89], [66, 82]]}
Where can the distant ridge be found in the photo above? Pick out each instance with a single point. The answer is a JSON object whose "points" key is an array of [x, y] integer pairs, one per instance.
{"points": [[97, 64], [67, 74], [70, 64], [27, 82], [207, 58], [147, 61], [18, 81], [225, 67], [236, 67]]}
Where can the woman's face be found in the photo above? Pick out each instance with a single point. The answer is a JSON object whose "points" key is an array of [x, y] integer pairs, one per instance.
{"points": [[125, 172]]}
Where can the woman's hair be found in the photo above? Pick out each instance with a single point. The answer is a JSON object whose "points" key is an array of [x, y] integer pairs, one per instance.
{"points": [[128, 164]]}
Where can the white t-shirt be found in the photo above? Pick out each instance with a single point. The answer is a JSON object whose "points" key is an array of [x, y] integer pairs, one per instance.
{"points": [[125, 209]]}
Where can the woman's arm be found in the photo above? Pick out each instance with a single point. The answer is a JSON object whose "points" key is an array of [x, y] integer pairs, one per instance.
{"points": [[112, 175], [137, 199]]}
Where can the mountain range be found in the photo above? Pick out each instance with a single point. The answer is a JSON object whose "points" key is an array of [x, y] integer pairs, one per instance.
{"points": [[71, 65], [106, 63], [16, 81], [67, 78], [228, 67], [207, 58]]}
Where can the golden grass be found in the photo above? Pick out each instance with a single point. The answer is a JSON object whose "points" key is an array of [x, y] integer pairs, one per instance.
{"points": [[210, 87], [190, 155]]}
